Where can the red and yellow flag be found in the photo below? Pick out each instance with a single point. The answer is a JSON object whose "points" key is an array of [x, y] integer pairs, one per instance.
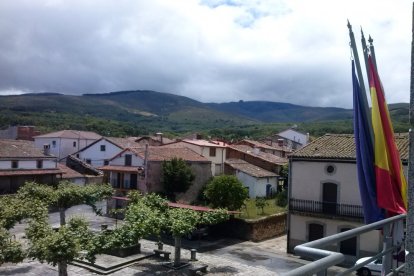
{"points": [[390, 180]]}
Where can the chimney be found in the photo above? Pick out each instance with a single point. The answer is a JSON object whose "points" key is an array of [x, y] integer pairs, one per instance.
{"points": [[46, 149], [159, 135], [280, 142]]}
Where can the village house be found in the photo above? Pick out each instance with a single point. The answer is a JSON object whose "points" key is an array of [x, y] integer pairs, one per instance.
{"points": [[98, 153], [324, 195], [289, 138], [278, 150], [259, 182], [157, 140], [141, 169], [65, 142], [20, 161], [264, 160], [215, 151]]}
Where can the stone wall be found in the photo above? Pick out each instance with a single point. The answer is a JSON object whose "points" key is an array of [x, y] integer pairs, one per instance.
{"points": [[254, 230]]}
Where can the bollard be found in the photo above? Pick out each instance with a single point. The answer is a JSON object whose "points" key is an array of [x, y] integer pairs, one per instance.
{"points": [[193, 255], [160, 245]]}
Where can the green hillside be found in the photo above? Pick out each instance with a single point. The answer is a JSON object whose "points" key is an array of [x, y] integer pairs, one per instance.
{"points": [[144, 112]]}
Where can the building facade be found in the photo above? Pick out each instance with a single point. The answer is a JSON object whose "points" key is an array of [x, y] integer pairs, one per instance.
{"points": [[324, 195]]}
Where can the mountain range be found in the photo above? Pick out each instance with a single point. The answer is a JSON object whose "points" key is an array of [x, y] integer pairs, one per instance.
{"points": [[142, 112]]}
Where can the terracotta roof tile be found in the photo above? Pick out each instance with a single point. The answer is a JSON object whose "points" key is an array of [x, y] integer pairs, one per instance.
{"points": [[248, 168], [206, 143], [20, 149], [342, 146], [166, 153], [122, 142], [259, 154], [67, 172], [72, 134], [29, 172], [266, 146]]}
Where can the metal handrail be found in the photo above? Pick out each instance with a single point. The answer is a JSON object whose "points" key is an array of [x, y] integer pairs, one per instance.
{"points": [[325, 258]]}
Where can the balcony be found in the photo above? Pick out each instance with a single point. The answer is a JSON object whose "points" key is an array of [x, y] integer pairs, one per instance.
{"points": [[326, 208]]}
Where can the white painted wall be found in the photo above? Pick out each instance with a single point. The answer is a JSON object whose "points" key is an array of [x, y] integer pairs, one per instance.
{"points": [[120, 160], [28, 164], [370, 242], [97, 156], [63, 146], [308, 177], [257, 186], [294, 136]]}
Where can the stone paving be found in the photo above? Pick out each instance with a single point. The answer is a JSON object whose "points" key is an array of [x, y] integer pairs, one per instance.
{"points": [[223, 257]]}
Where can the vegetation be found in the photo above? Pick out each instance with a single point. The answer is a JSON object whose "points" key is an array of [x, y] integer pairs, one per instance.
{"points": [[226, 191], [64, 245], [281, 198], [137, 113], [249, 210], [176, 177], [261, 203]]}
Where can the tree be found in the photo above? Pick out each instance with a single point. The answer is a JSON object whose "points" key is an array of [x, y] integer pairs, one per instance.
{"points": [[226, 191], [150, 214], [62, 246], [261, 202], [65, 195], [176, 177]]}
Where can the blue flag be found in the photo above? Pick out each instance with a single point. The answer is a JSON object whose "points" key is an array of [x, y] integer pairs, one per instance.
{"points": [[365, 156]]}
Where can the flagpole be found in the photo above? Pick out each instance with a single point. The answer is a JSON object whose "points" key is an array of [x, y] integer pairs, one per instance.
{"points": [[365, 51], [409, 240], [372, 50], [360, 78]]}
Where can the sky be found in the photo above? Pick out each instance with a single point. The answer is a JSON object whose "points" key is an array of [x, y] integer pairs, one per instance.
{"points": [[294, 51]]}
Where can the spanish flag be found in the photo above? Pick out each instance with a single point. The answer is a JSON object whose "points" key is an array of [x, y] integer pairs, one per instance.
{"points": [[390, 180]]}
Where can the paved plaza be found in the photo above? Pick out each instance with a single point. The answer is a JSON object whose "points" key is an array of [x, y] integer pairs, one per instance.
{"points": [[223, 256]]}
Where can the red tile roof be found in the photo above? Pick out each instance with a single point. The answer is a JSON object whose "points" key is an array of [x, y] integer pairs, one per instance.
{"points": [[71, 134], [249, 169], [68, 172], [29, 172], [206, 143], [120, 169], [166, 153], [260, 154], [20, 149]]}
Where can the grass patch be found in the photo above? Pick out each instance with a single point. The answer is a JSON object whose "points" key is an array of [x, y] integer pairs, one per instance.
{"points": [[250, 211]]}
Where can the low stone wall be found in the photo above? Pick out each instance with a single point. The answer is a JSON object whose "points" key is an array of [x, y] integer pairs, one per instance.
{"points": [[254, 230]]}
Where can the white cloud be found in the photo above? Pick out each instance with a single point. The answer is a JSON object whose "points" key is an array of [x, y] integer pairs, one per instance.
{"points": [[212, 50]]}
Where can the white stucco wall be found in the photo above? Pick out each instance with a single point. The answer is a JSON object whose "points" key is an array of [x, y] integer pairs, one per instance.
{"points": [[97, 156], [257, 186], [64, 146], [294, 136], [28, 164], [308, 177], [120, 160], [368, 242]]}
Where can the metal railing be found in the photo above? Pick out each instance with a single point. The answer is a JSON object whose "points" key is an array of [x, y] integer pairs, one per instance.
{"points": [[324, 259], [329, 208]]}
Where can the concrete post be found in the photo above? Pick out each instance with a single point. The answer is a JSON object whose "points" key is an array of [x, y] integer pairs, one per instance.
{"points": [[193, 255]]}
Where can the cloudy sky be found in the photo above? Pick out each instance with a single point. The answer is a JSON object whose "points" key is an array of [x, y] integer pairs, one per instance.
{"points": [[294, 51]]}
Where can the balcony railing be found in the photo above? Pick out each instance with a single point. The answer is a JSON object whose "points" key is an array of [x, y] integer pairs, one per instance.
{"points": [[324, 259], [329, 208]]}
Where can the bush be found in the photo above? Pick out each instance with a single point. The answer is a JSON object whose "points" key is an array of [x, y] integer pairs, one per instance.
{"points": [[226, 191]]}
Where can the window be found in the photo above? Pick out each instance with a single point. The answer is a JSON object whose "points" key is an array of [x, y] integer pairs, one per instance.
{"points": [[349, 246], [315, 231], [54, 144], [330, 169], [103, 148], [212, 151], [74, 144], [106, 162], [88, 161], [39, 164], [14, 164], [128, 159]]}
